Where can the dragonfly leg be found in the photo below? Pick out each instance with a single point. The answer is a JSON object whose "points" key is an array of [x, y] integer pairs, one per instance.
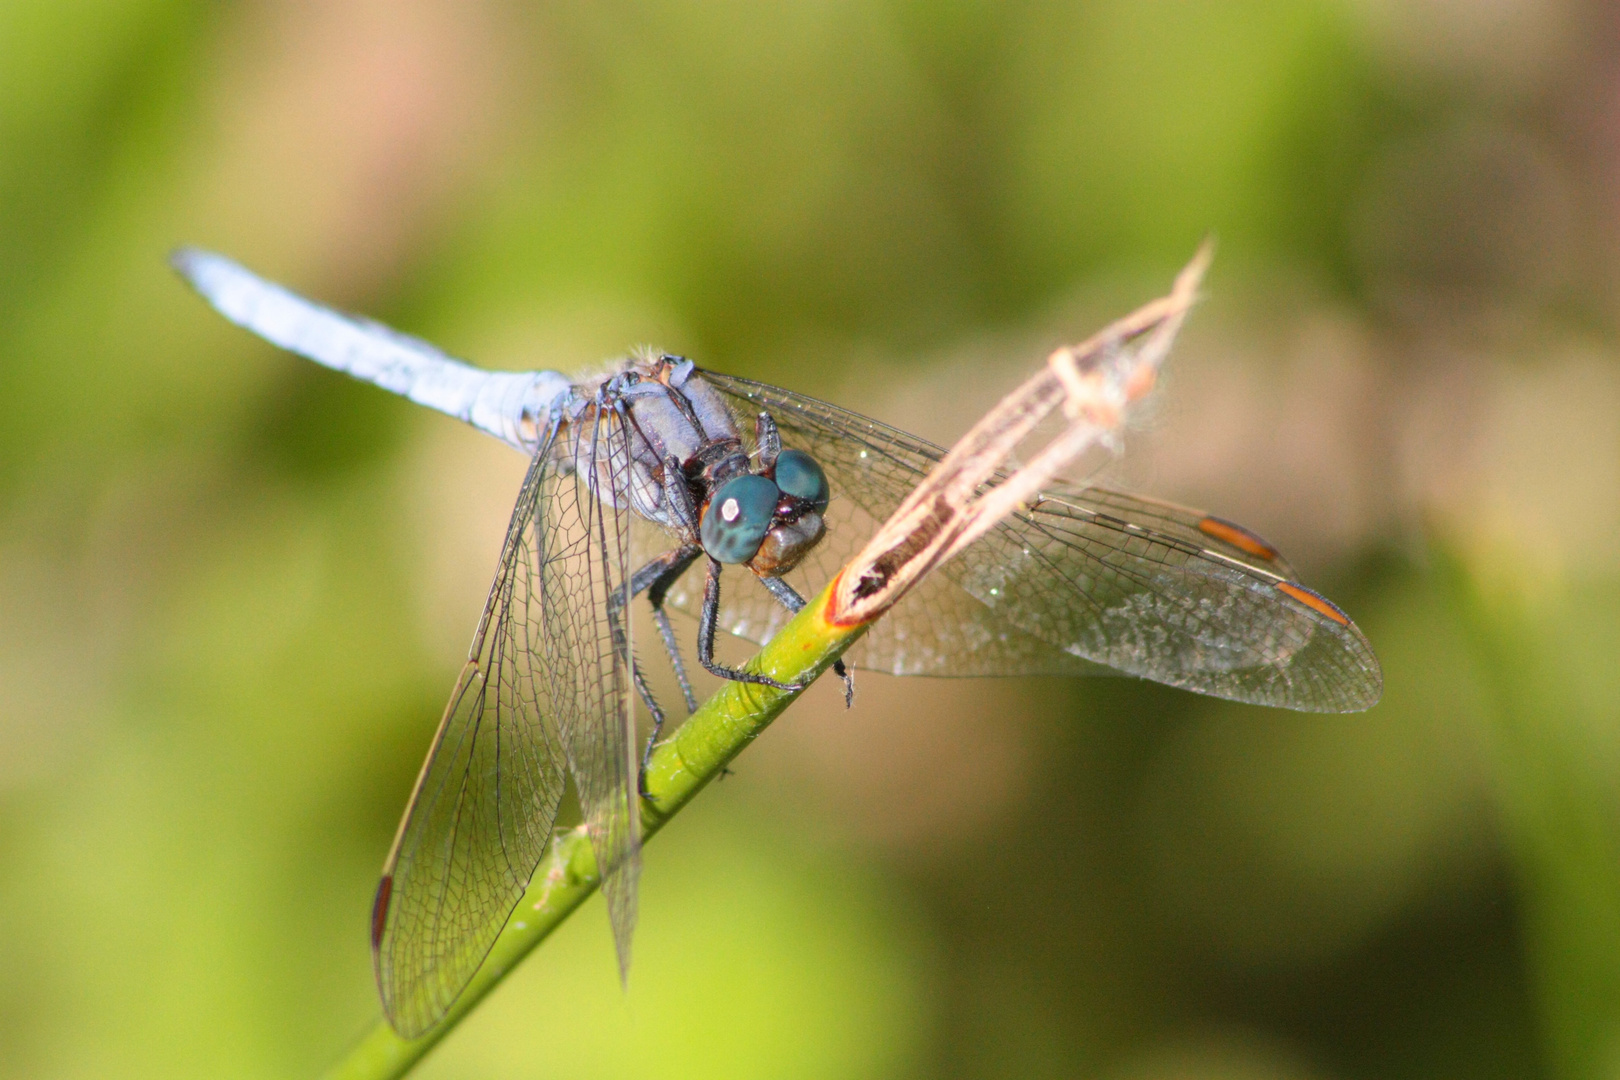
{"points": [[621, 645], [706, 627], [676, 563], [791, 600], [678, 497], [655, 578], [768, 439]]}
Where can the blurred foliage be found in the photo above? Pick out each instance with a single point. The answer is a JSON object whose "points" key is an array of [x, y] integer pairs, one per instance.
{"points": [[233, 589]]}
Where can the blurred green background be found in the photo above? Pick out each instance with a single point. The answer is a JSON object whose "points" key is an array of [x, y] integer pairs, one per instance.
{"points": [[235, 589]]}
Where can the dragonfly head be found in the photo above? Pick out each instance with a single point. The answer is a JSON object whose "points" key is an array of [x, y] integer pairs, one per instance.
{"points": [[768, 522]]}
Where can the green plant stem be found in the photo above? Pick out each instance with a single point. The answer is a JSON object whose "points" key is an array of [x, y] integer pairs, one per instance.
{"points": [[679, 769]]}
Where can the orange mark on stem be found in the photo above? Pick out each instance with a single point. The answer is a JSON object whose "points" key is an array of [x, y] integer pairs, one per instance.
{"points": [[830, 615]]}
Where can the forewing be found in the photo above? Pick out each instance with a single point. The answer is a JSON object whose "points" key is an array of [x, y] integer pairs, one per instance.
{"points": [[587, 649], [1084, 578], [485, 801], [545, 689]]}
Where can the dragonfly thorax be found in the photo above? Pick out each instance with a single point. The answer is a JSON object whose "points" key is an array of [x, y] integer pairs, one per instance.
{"points": [[768, 519]]}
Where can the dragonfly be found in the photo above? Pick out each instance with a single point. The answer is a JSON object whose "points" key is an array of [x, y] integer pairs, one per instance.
{"points": [[645, 470]]}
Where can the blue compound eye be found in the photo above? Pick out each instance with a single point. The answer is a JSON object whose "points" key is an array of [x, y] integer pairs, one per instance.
{"points": [[738, 518], [797, 474]]}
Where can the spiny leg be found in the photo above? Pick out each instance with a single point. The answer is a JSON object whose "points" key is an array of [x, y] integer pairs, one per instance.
{"points": [[768, 439], [706, 628], [657, 575], [655, 594], [681, 560], [678, 500], [672, 646], [621, 645], [791, 600]]}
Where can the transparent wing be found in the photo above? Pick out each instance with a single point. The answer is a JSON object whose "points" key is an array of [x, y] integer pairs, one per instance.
{"points": [[1086, 578], [485, 802], [543, 690], [587, 650]]}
